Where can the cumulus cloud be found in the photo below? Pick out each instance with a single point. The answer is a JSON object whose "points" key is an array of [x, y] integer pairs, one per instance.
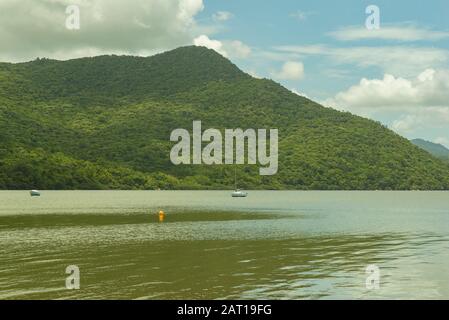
{"points": [[205, 41], [406, 124], [237, 49], [415, 106], [229, 49], [31, 28], [429, 89], [431, 119], [291, 70], [222, 16], [403, 60], [388, 32]]}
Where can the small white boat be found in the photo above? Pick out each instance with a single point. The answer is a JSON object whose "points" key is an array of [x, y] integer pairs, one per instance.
{"points": [[239, 194], [35, 193]]}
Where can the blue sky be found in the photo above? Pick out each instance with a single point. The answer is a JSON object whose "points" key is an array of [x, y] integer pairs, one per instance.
{"points": [[411, 28], [397, 74]]}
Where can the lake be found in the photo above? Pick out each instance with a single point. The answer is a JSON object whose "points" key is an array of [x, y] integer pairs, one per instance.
{"points": [[270, 245]]}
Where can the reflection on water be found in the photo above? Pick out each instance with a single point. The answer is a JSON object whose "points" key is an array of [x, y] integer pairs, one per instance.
{"points": [[307, 251]]}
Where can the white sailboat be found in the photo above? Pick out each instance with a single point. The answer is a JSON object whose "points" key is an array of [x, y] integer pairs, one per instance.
{"points": [[35, 193], [237, 193]]}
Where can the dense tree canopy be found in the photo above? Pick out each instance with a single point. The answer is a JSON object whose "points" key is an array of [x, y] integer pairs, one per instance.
{"points": [[105, 123]]}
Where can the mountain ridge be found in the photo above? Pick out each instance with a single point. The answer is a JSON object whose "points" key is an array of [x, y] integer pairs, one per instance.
{"points": [[105, 122], [171, 72], [435, 149]]}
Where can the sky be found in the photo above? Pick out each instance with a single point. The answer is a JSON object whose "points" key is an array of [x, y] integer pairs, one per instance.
{"points": [[396, 73]]}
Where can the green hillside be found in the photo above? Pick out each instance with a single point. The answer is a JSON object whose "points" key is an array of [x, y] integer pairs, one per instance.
{"points": [[105, 123]]}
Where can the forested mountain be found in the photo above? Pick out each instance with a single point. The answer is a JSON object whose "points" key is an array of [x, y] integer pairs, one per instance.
{"points": [[435, 149], [105, 123]]}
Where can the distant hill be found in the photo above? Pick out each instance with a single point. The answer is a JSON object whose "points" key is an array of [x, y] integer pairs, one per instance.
{"points": [[105, 123], [436, 149]]}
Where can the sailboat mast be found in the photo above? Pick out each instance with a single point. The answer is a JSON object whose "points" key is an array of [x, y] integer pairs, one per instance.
{"points": [[235, 178]]}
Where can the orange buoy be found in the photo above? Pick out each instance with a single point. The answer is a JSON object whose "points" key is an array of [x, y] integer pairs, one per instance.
{"points": [[161, 216]]}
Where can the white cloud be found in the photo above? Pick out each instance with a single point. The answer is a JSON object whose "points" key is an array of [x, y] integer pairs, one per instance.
{"points": [[418, 105], [265, 55], [337, 73], [254, 74], [222, 16], [301, 94], [31, 28], [187, 9], [442, 140], [431, 119], [406, 124], [291, 70], [204, 41], [301, 15], [402, 60], [237, 49], [388, 32], [231, 49], [429, 89]]}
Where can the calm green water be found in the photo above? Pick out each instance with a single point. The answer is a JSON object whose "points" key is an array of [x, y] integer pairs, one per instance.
{"points": [[280, 245]]}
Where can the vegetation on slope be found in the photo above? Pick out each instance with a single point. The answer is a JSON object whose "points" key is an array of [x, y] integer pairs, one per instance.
{"points": [[105, 123]]}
